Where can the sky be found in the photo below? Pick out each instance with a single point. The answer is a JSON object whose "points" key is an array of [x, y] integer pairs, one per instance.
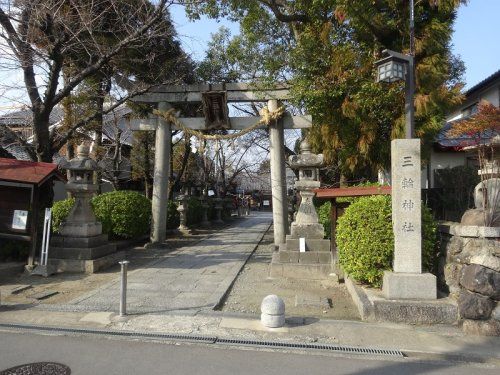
{"points": [[475, 38]]}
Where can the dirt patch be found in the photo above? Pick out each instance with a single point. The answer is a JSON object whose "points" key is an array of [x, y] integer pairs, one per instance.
{"points": [[71, 286], [329, 299]]}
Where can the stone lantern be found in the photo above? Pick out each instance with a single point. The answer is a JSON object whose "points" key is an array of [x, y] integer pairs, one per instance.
{"points": [[305, 254], [81, 246], [204, 205], [81, 221], [306, 221], [182, 208]]}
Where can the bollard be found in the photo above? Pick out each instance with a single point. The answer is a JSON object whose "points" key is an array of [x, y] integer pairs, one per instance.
{"points": [[123, 288]]}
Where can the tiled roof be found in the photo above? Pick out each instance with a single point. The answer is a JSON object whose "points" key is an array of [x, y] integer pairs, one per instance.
{"points": [[26, 171], [485, 82]]}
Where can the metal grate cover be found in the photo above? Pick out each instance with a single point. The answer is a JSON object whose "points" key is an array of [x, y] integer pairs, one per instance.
{"points": [[216, 340], [332, 348], [39, 368]]}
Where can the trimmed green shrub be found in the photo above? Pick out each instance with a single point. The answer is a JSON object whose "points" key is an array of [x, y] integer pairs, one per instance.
{"points": [[173, 216], [60, 211], [124, 214], [324, 217], [365, 239]]}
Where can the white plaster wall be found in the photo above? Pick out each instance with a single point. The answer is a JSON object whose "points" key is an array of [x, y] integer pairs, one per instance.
{"points": [[492, 96]]}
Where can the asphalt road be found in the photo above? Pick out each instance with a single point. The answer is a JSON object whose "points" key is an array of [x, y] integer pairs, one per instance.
{"points": [[100, 355]]}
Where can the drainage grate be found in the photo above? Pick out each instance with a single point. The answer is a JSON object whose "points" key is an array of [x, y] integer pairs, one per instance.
{"points": [[214, 340], [39, 368], [294, 345], [164, 336]]}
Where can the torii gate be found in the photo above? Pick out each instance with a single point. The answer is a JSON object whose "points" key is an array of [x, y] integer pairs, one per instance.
{"points": [[217, 96]]}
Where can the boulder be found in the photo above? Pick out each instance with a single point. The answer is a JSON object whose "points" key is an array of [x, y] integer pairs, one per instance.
{"points": [[474, 306], [496, 312], [481, 280], [481, 327], [487, 260]]}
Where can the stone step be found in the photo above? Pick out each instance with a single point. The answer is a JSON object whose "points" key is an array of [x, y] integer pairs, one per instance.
{"points": [[308, 257], [301, 271], [293, 244], [81, 253], [60, 241]]}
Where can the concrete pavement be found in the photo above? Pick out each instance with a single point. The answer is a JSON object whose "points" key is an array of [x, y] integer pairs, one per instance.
{"points": [[89, 355], [176, 293], [193, 277]]}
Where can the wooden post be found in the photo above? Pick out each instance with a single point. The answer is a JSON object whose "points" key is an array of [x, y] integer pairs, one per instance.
{"points": [[33, 227], [333, 228]]}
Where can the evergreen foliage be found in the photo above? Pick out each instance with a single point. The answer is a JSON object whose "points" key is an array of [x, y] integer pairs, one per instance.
{"points": [[123, 214], [327, 48], [365, 239]]}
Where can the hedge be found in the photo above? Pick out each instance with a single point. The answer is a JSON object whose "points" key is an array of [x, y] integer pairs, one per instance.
{"points": [[365, 239], [123, 214]]}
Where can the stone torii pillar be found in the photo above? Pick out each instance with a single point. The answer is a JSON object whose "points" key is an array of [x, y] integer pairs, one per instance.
{"points": [[166, 96], [163, 143], [278, 177]]}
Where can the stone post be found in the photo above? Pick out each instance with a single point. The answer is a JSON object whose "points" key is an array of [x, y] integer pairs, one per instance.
{"points": [[407, 281], [161, 174], [278, 178]]}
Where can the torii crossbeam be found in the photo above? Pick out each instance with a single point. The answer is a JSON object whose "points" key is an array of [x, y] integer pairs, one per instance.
{"points": [[167, 97]]}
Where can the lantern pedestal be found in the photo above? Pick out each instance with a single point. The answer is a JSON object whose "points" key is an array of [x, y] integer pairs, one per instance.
{"points": [[81, 246], [305, 253]]}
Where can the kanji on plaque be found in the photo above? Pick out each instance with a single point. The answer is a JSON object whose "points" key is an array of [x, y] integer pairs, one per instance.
{"points": [[408, 205], [407, 183], [408, 227]]}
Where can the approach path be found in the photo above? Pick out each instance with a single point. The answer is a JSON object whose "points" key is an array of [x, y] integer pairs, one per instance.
{"points": [[194, 277]]}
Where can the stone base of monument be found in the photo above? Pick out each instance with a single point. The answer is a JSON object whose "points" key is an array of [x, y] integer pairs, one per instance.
{"points": [[315, 263], [82, 254], [419, 286], [373, 306], [87, 265]]}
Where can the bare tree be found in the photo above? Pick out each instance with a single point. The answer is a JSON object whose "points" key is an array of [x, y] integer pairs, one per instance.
{"points": [[44, 37]]}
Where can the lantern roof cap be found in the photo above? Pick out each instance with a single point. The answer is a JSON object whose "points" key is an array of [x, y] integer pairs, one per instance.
{"points": [[82, 161]]}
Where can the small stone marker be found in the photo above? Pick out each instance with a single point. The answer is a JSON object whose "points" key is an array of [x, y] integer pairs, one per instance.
{"points": [[272, 312], [407, 281]]}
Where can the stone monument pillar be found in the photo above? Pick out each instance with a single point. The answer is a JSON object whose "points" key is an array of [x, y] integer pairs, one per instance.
{"points": [[407, 281], [305, 253], [81, 246]]}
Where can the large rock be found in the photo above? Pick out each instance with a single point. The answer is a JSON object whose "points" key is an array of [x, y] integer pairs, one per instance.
{"points": [[452, 273], [481, 327], [481, 280], [496, 313], [487, 260], [474, 306]]}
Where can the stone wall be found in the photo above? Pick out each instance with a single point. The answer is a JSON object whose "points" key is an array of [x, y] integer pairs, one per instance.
{"points": [[469, 269]]}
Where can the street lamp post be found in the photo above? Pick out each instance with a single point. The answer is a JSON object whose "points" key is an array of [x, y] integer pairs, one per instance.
{"points": [[397, 67]]}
